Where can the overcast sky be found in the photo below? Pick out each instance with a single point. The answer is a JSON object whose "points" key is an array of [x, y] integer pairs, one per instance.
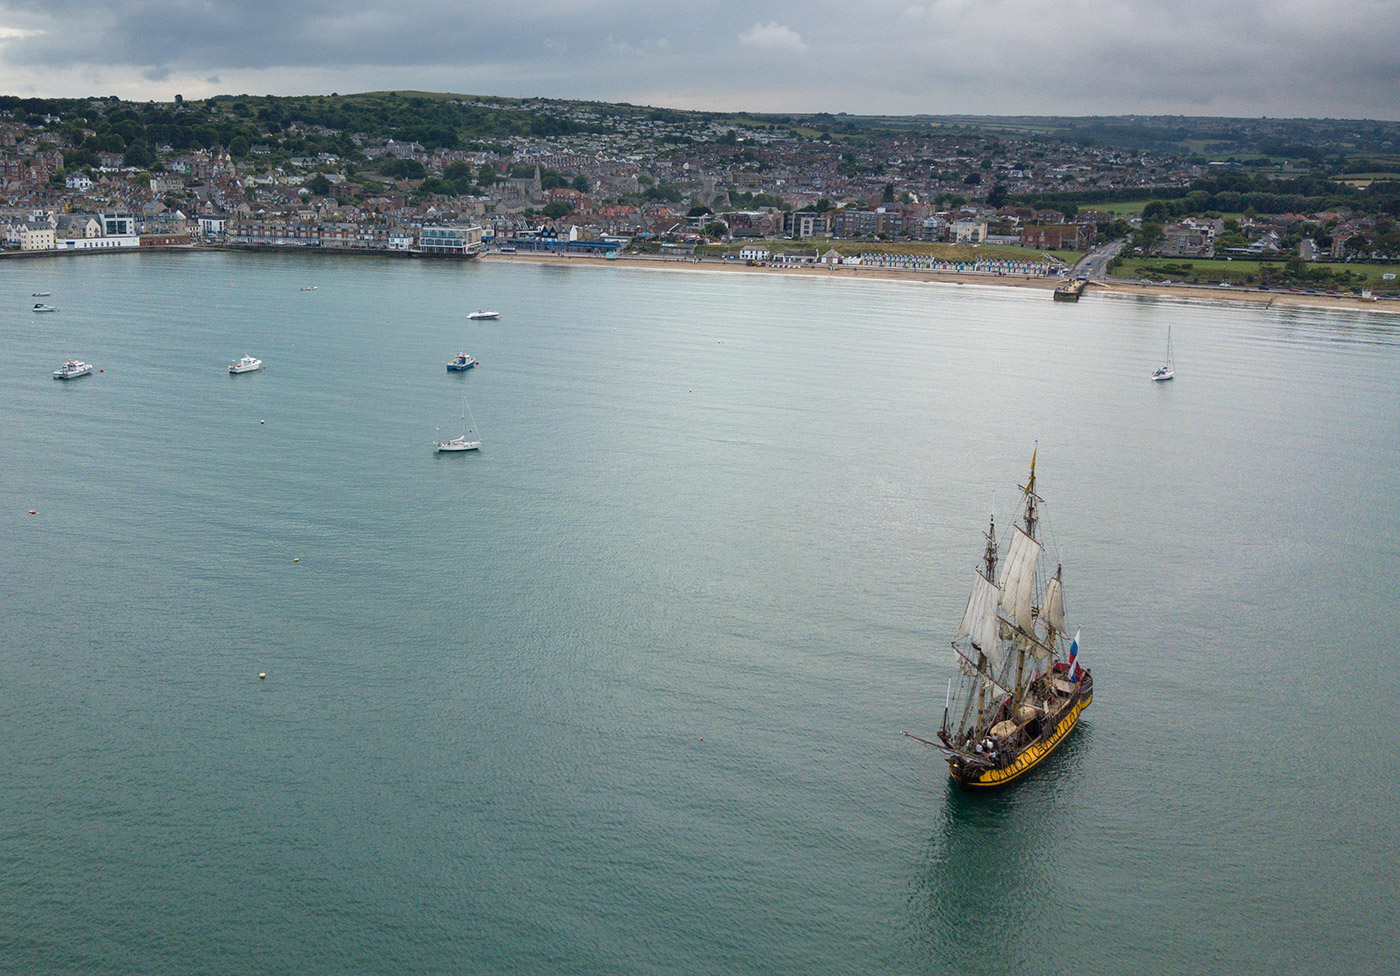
{"points": [[1337, 58]]}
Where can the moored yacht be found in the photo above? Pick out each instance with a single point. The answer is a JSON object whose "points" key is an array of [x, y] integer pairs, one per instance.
{"points": [[466, 441], [41, 307], [1168, 369], [245, 365], [480, 315]]}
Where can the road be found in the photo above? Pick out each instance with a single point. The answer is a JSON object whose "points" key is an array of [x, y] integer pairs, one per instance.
{"points": [[1094, 265]]}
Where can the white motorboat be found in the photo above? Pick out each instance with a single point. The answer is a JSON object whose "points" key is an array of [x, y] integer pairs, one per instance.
{"points": [[245, 365], [72, 370], [467, 442], [41, 307], [41, 294], [1168, 369], [480, 315], [308, 287]]}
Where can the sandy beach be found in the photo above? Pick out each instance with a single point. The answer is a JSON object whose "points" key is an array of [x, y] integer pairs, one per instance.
{"points": [[1117, 289]]}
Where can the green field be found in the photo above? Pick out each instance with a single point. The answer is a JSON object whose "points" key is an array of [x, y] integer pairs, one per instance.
{"points": [[1133, 208], [1322, 274], [1119, 208], [939, 252]]}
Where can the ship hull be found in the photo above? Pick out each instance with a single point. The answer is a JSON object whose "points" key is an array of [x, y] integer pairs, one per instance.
{"points": [[1034, 754]]}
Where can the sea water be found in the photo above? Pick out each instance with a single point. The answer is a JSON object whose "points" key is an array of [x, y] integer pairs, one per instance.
{"points": [[623, 693]]}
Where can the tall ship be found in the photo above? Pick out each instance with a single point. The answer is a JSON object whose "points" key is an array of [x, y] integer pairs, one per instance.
{"points": [[1020, 688]]}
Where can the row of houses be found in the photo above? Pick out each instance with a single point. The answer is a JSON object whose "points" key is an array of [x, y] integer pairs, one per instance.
{"points": [[442, 239], [71, 232], [759, 253], [46, 231]]}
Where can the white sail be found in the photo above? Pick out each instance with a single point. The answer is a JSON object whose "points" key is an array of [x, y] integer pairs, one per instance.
{"points": [[987, 638], [1018, 578], [982, 594], [1053, 612], [980, 620]]}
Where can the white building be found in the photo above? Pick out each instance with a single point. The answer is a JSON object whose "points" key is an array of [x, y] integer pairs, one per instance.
{"points": [[969, 231], [443, 239], [36, 237], [97, 243]]}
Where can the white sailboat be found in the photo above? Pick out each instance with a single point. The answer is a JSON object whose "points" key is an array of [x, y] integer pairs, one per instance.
{"points": [[1167, 370], [468, 440]]}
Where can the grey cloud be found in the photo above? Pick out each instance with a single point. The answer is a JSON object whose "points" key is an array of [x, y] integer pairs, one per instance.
{"points": [[1305, 57]]}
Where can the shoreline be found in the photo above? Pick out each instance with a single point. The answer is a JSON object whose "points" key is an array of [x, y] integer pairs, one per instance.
{"points": [[1111, 287], [1114, 288]]}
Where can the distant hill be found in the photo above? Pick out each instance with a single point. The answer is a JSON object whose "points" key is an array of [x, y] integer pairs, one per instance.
{"points": [[448, 120]]}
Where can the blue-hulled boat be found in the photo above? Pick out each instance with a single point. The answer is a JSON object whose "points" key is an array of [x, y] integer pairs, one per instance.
{"points": [[461, 363]]}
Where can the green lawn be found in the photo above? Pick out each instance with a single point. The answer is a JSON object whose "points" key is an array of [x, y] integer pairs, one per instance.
{"points": [[1322, 274], [1133, 208], [1119, 208]]}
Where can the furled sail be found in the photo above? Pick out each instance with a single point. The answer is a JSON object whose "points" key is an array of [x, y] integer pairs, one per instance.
{"points": [[1040, 651], [1053, 610], [1018, 578], [980, 620], [995, 692]]}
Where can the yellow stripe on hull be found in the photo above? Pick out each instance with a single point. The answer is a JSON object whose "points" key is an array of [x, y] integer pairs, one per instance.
{"points": [[1031, 758]]}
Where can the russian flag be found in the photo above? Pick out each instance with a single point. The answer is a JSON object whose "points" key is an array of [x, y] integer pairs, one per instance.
{"points": [[1074, 657]]}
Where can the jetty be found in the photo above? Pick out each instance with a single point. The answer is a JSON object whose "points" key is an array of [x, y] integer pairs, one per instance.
{"points": [[1071, 290]]}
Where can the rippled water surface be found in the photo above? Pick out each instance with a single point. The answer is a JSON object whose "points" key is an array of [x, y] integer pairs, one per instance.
{"points": [[623, 692]]}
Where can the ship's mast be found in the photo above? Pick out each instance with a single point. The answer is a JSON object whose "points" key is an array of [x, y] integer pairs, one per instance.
{"points": [[989, 570], [1032, 518], [989, 558], [1030, 521]]}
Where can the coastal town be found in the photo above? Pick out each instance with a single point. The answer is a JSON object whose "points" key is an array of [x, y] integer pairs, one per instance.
{"points": [[516, 176]]}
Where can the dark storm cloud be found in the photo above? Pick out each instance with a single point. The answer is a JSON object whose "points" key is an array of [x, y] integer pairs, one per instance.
{"points": [[1282, 57]]}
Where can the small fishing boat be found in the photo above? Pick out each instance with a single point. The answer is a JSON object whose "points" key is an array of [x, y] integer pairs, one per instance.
{"points": [[72, 370], [479, 315], [245, 365], [461, 363]]}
